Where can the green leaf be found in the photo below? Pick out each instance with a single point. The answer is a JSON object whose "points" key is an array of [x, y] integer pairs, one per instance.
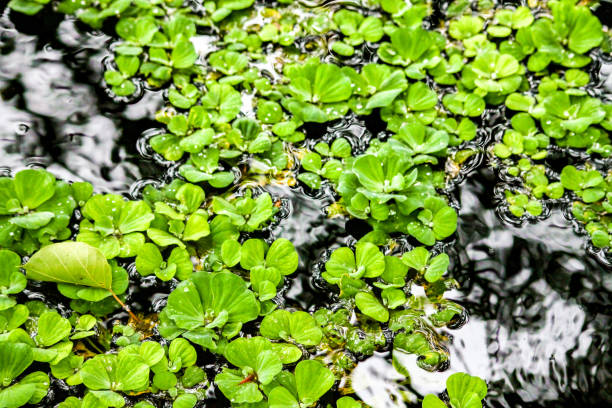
{"points": [[342, 48], [193, 375], [341, 148], [311, 162], [445, 222], [282, 256], [464, 104], [297, 326], [52, 328], [34, 187], [148, 260], [29, 7], [280, 397], [369, 257], [34, 220], [437, 267], [393, 297], [341, 261], [461, 386], [288, 353], [14, 359], [465, 27], [181, 350], [255, 353], [196, 226], [205, 296], [75, 263], [128, 65], [370, 172], [151, 352], [269, 112], [370, 306], [163, 238], [432, 401], [18, 394], [184, 54], [164, 380], [252, 253], [417, 258], [122, 372], [586, 30], [312, 380], [230, 252], [40, 381], [185, 401], [312, 180], [11, 279], [330, 85], [231, 384], [134, 216]]}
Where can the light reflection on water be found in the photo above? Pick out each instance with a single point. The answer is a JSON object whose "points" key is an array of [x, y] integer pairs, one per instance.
{"points": [[54, 113]]}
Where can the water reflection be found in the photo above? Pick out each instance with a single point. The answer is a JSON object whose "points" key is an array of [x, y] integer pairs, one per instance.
{"points": [[56, 115], [537, 307]]}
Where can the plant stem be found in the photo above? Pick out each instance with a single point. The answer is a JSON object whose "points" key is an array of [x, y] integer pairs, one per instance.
{"points": [[124, 306]]}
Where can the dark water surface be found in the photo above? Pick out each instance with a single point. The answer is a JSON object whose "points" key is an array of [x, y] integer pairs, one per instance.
{"points": [[540, 304]]}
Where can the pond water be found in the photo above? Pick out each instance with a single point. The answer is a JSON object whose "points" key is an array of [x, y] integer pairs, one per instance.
{"points": [[540, 304]]}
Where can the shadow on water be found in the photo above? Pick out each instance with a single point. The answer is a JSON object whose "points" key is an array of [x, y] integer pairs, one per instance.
{"points": [[540, 307]]}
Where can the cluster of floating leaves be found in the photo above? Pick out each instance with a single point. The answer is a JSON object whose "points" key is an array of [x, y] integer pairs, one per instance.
{"points": [[235, 117]]}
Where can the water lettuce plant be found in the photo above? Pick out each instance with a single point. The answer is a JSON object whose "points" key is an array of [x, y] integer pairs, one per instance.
{"points": [[113, 225], [376, 86], [207, 307], [310, 381], [493, 73], [257, 364], [569, 117], [186, 133], [464, 103], [120, 80], [178, 217], [36, 210], [414, 48], [345, 268], [316, 92], [265, 107], [523, 138], [431, 268], [589, 185], [111, 373], [150, 261], [299, 327], [357, 29], [571, 32], [419, 102], [246, 213]]}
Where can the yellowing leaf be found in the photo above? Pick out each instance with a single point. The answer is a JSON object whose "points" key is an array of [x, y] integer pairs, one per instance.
{"points": [[71, 262]]}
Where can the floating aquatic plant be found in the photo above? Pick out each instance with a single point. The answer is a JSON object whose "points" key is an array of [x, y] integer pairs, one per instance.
{"points": [[35, 210], [207, 307], [231, 124]]}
